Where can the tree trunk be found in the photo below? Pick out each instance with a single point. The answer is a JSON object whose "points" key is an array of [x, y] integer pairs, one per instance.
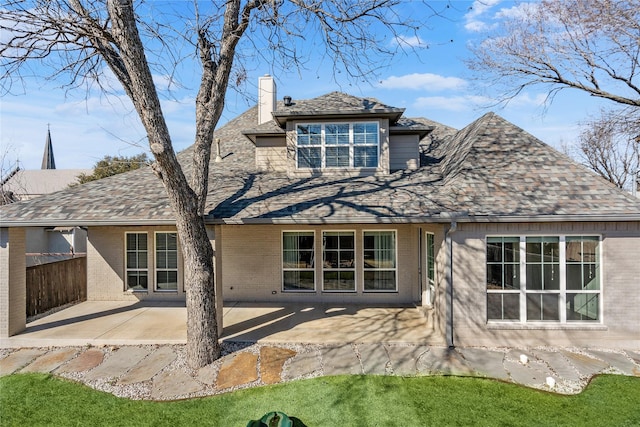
{"points": [[202, 326], [135, 76]]}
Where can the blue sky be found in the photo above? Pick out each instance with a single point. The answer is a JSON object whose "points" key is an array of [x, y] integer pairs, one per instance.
{"points": [[434, 84]]}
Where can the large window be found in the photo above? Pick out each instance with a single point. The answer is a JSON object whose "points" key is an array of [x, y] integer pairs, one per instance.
{"points": [[337, 145], [136, 261], [379, 260], [583, 278], [338, 267], [166, 262], [298, 260], [543, 279], [503, 278]]}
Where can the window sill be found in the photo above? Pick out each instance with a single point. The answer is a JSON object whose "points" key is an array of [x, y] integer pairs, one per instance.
{"points": [[382, 291], [297, 291], [547, 326], [351, 291]]}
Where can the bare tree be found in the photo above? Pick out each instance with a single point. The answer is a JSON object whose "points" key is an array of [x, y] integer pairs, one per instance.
{"points": [[589, 45], [610, 145], [77, 37]]}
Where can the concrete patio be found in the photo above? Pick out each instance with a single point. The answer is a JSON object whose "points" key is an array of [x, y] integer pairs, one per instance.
{"points": [[129, 323]]}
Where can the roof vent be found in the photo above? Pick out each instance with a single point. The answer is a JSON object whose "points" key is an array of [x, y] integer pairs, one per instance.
{"points": [[287, 101]]}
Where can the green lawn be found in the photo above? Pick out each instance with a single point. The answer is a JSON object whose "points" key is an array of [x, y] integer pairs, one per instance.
{"points": [[44, 400]]}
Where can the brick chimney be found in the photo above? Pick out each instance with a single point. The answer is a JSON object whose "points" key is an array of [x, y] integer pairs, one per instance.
{"points": [[266, 98]]}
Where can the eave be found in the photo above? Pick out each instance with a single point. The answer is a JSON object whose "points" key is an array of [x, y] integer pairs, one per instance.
{"points": [[281, 117]]}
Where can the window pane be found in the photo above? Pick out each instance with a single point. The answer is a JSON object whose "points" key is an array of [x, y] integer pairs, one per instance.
{"points": [[137, 280], [172, 241], [503, 306], [132, 241], [551, 277], [365, 157], [331, 240], [172, 259], [339, 266], [494, 251], [309, 158], [431, 261], [543, 307], [365, 133], [132, 259], [534, 251], [309, 134], [298, 260], [551, 251], [331, 259], [583, 306], [534, 276], [574, 276], [161, 242], [161, 260], [511, 276], [346, 241], [583, 270], [298, 280], [337, 157], [337, 134], [591, 277], [379, 260], [511, 250], [494, 276], [167, 280], [346, 259], [339, 281], [379, 280], [136, 261]]}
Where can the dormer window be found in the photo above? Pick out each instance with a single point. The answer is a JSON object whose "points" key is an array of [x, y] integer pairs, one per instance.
{"points": [[337, 145]]}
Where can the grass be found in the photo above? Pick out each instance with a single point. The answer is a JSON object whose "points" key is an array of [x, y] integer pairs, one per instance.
{"points": [[44, 400]]}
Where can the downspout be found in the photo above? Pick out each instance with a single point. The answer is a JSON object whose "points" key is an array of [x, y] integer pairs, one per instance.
{"points": [[420, 260], [449, 280]]}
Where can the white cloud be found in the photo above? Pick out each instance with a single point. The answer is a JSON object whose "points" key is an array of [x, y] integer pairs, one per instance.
{"points": [[526, 100], [474, 18], [423, 81], [518, 11]]}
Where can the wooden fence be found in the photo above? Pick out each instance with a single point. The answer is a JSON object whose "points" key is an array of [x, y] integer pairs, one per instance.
{"points": [[55, 284]]}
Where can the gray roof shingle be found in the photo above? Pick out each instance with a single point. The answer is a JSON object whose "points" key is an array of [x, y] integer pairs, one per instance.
{"points": [[490, 170]]}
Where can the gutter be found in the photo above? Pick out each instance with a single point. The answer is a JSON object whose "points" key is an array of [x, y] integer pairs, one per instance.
{"points": [[438, 218], [85, 223]]}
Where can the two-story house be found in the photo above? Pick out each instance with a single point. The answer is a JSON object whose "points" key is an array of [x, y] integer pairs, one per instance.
{"points": [[341, 199]]}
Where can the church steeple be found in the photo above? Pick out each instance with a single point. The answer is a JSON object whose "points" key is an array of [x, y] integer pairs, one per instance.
{"points": [[48, 162]]}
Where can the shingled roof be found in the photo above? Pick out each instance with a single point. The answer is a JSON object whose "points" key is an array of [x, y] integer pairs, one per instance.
{"points": [[489, 171]]}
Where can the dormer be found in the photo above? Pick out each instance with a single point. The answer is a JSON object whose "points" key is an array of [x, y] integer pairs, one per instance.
{"points": [[336, 134]]}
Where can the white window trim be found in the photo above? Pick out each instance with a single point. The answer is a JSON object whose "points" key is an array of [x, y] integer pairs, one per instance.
{"points": [[355, 260], [430, 287], [283, 269], [523, 323], [127, 269], [395, 269], [351, 146], [178, 269]]}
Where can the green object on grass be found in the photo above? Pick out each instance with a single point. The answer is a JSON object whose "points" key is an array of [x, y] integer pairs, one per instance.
{"points": [[272, 419]]}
